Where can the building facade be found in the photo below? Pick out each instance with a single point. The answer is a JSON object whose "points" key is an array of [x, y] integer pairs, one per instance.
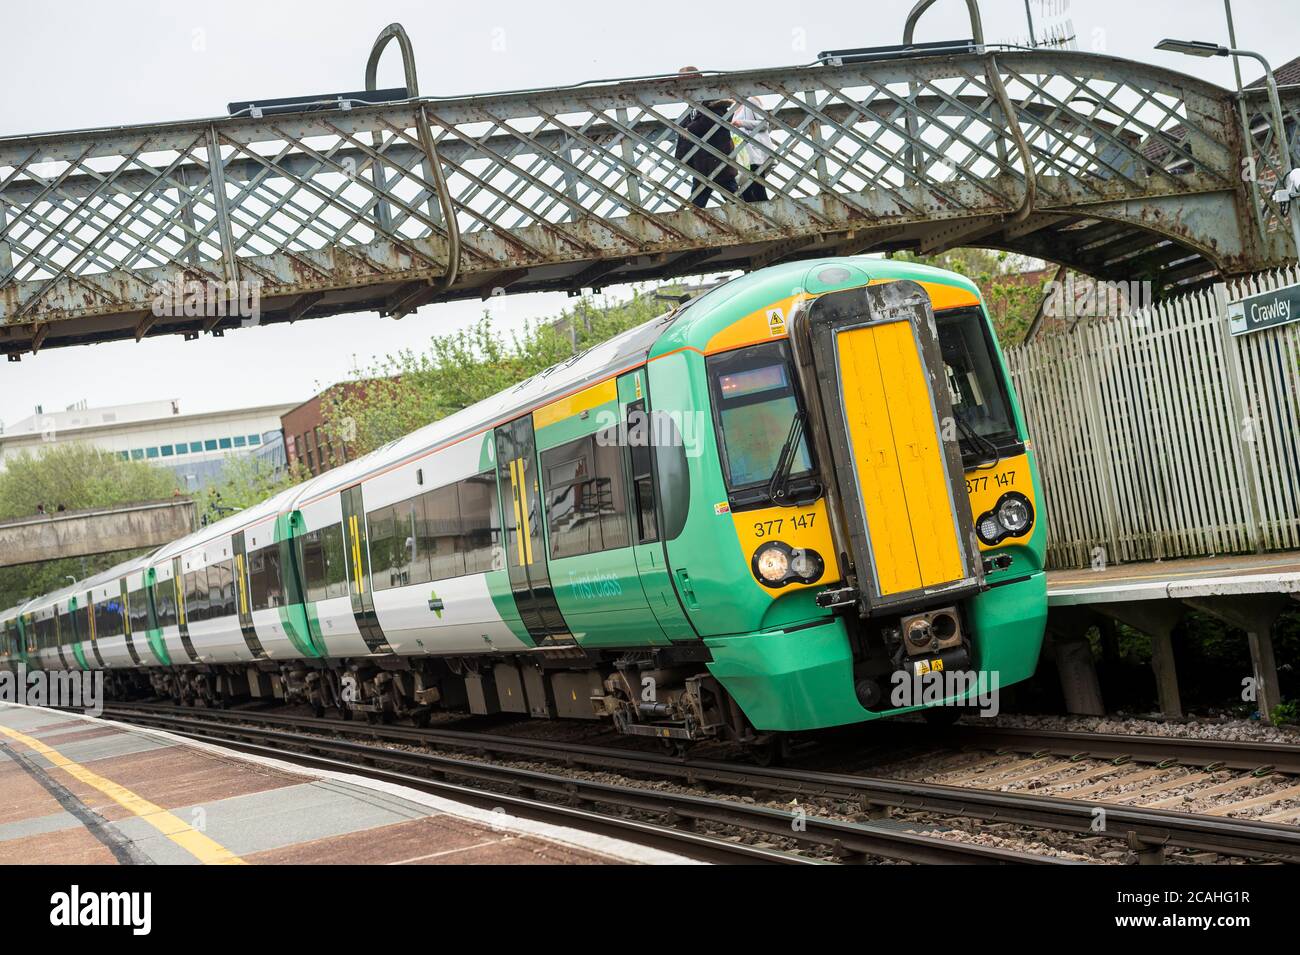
{"points": [[194, 446], [308, 442]]}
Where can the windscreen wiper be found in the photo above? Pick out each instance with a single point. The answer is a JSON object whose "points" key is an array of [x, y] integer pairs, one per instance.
{"points": [[977, 439], [778, 487]]}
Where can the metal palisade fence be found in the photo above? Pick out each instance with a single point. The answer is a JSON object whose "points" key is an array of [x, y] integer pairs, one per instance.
{"points": [[1160, 434]]}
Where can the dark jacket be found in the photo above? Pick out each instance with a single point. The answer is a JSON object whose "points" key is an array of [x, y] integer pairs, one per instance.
{"points": [[708, 124]]}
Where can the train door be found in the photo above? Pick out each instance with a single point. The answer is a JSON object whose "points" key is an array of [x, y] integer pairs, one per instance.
{"points": [[128, 633], [72, 638], [182, 611], [243, 603], [159, 611], [91, 633], [27, 637], [530, 580], [647, 515], [590, 538], [358, 563]]}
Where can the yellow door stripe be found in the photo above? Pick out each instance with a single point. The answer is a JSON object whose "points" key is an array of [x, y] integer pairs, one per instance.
{"points": [[206, 850], [357, 576], [523, 507], [514, 495], [243, 596], [180, 599]]}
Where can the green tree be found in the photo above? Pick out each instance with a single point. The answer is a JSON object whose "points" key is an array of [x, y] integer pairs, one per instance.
{"points": [[399, 393], [1012, 302], [76, 476]]}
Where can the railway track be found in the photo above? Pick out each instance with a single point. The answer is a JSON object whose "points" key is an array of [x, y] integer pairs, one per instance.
{"points": [[1145, 830], [689, 823], [1229, 754]]}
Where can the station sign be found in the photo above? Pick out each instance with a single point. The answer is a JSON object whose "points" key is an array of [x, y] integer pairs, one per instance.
{"points": [[1265, 310]]}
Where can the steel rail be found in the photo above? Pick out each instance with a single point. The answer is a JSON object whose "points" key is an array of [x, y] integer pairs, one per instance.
{"points": [[1140, 827], [848, 841]]}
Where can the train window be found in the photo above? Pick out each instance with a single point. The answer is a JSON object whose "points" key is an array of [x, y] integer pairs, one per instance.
{"points": [[216, 596], [641, 460], [313, 565], [256, 580], [221, 589], [480, 522], [196, 596], [755, 404], [674, 474], [975, 380], [336, 565], [586, 498], [411, 543], [443, 532], [164, 602], [108, 618], [265, 581], [138, 608], [379, 528]]}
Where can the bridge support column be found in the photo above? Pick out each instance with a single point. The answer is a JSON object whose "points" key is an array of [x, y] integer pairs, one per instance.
{"points": [[1255, 614], [1072, 651], [1157, 619]]}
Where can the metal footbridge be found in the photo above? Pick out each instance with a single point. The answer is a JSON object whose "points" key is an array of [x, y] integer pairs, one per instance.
{"points": [[366, 202]]}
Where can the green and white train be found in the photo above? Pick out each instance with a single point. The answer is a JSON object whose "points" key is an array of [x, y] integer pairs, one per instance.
{"points": [[749, 516]]}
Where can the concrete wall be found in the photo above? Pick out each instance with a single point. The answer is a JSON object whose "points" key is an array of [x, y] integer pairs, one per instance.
{"points": [[99, 531]]}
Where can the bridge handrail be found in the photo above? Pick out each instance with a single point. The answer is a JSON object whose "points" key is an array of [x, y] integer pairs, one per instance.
{"points": [[395, 31], [587, 173]]}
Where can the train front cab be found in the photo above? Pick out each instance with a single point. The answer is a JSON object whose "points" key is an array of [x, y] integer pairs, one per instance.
{"points": [[893, 488]]}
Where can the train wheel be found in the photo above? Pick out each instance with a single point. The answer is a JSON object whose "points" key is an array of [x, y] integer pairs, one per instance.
{"points": [[675, 747], [770, 752]]}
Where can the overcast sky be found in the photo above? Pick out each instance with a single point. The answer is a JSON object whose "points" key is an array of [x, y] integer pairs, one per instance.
{"points": [[70, 65]]}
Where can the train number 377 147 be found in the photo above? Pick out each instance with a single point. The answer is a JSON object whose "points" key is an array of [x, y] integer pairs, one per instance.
{"points": [[985, 481]]}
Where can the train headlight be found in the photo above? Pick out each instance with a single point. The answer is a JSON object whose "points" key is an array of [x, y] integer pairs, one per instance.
{"points": [[772, 563], [1015, 514], [1012, 516], [776, 564]]}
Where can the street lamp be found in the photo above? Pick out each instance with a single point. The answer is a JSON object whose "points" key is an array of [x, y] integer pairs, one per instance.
{"points": [[1202, 48]]}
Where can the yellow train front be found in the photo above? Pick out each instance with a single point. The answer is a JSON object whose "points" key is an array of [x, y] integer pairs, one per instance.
{"points": [[864, 463]]}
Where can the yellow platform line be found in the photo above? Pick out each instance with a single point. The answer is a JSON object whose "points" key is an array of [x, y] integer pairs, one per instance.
{"points": [[208, 851]]}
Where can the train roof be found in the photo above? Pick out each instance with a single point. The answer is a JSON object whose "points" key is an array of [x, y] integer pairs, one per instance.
{"points": [[117, 571]]}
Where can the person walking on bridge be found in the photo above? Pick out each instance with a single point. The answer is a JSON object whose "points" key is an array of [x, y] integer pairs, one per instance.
{"points": [[709, 125], [755, 151]]}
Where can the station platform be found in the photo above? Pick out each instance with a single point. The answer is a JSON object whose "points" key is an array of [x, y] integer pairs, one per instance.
{"points": [[79, 790], [1222, 576]]}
